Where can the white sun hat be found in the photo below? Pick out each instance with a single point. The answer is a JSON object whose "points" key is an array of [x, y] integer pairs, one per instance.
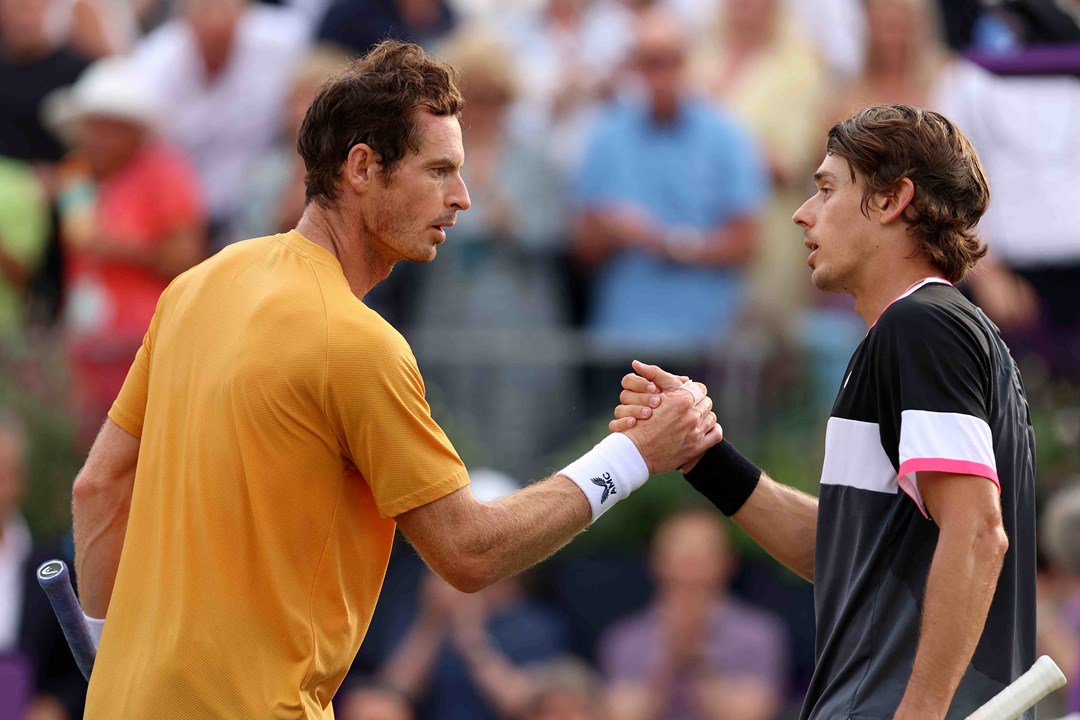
{"points": [[113, 87]]}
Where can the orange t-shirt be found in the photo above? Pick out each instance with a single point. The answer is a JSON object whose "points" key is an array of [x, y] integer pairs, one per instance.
{"points": [[282, 426]]}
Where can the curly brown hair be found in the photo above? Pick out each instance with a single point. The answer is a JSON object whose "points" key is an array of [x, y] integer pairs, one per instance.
{"points": [[373, 101], [886, 143]]}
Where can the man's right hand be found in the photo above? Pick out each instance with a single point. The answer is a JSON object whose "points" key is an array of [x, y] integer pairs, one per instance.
{"points": [[681, 430]]}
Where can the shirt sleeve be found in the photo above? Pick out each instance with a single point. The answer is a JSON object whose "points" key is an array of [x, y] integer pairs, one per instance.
{"points": [[936, 392], [129, 408], [743, 174], [376, 405], [594, 182]]}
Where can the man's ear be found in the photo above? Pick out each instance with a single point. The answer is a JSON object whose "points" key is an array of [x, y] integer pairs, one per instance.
{"points": [[360, 167], [894, 202]]}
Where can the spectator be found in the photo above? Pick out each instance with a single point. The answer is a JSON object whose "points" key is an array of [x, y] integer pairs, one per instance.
{"points": [[668, 197], [695, 652], [274, 196], [569, 54], [770, 78], [95, 28], [24, 233], [1061, 538], [464, 655], [372, 701], [38, 676], [32, 65], [565, 689], [131, 219], [357, 25], [502, 272], [223, 68]]}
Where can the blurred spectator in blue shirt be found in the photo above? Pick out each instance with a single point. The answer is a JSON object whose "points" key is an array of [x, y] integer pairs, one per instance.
{"points": [[668, 198], [695, 653]]}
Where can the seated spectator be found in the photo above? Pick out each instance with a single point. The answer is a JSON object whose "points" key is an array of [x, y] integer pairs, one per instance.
{"points": [[38, 676], [463, 655], [565, 689], [668, 198], [357, 25], [32, 64], [369, 700], [1059, 633], [768, 75], [223, 69], [502, 271], [274, 196], [695, 652], [131, 219], [24, 233]]}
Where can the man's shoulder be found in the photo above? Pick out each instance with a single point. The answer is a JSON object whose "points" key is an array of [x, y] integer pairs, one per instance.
{"points": [[928, 313]]}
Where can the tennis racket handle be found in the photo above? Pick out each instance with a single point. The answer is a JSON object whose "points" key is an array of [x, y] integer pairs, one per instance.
{"points": [[55, 580], [1043, 678]]}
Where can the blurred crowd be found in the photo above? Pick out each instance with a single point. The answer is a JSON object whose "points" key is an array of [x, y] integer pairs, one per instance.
{"points": [[633, 166]]}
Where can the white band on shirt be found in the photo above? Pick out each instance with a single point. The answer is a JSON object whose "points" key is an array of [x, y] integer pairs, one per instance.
{"points": [[609, 472], [96, 625]]}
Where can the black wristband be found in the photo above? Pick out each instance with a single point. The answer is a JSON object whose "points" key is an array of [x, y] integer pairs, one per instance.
{"points": [[725, 477]]}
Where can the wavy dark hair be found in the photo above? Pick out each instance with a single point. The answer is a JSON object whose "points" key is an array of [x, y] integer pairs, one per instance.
{"points": [[373, 101], [887, 143]]}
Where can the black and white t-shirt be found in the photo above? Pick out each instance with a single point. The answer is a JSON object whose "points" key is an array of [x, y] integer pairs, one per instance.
{"points": [[932, 387]]}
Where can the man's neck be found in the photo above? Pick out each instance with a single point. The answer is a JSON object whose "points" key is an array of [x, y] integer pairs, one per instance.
{"points": [[882, 291], [349, 242]]}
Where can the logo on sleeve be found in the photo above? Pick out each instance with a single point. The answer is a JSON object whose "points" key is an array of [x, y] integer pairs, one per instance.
{"points": [[607, 483]]}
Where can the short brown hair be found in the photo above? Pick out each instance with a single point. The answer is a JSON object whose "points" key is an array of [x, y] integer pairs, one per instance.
{"points": [[887, 143], [373, 101]]}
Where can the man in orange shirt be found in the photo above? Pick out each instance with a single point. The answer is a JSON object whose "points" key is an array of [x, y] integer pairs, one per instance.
{"points": [[234, 519]]}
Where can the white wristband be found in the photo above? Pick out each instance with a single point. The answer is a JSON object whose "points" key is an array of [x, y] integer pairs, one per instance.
{"points": [[96, 626], [609, 472]]}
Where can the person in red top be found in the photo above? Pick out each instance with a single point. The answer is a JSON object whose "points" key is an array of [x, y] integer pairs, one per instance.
{"points": [[131, 219]]}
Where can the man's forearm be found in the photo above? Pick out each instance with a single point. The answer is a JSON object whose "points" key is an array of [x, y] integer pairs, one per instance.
{"points": [[101, 501], [783, 521], [100, 522], [472, 544], [959, 589], [523, 528]]}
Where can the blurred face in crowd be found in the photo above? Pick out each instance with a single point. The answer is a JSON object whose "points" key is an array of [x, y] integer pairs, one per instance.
{"points": [[691, 555], [485, 100], [894, 28], [108, 144], [23, 26], [751, 21], [375, 704], [659, 57], [840, 238], [407, 211], [12, 471], [214, 24], [564, 704]]}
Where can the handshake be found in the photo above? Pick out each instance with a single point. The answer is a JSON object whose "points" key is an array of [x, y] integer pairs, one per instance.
{"points": [[663, 422]]}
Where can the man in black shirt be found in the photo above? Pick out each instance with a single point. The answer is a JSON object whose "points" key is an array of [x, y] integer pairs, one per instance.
{"points": [[921, 545], [31, 66]]}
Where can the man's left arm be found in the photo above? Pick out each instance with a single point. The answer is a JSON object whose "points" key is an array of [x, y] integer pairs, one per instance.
{"points": [[963, 575], [100, 507]]}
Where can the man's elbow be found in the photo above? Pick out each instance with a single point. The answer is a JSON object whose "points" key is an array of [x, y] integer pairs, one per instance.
{"points": [[991, 542], [468, 574]]}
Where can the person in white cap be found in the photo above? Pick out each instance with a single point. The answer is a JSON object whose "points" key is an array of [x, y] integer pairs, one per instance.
{"points": [[131, 219]]}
